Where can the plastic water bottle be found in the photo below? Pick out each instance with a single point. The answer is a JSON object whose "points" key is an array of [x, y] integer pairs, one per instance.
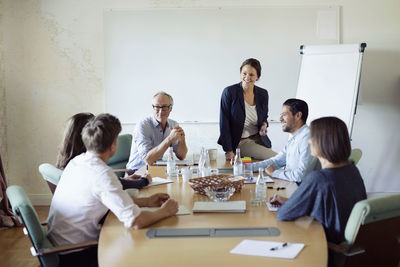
{"points": [[261, 187], [201, 161], [237, 164], [206, 170], [171, 164]]}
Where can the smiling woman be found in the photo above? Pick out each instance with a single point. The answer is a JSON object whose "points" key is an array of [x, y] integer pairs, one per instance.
{"points": [[243, 115]]}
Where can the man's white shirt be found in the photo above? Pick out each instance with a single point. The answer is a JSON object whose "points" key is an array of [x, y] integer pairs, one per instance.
{"points": [[88, 188]]}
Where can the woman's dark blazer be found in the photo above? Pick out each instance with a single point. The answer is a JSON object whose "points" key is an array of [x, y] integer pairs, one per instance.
{"points": [[232, 115]]}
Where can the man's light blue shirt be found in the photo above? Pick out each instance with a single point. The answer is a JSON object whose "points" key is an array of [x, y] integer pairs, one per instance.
{"points": [[296, 156], [147, 135]]}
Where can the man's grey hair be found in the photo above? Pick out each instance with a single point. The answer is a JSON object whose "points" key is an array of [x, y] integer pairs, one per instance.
{"points": [[171, 100]]}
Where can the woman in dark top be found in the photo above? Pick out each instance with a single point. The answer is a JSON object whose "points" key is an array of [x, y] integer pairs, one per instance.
{"points": [[73, 146], [329, 194], [243, 116]]}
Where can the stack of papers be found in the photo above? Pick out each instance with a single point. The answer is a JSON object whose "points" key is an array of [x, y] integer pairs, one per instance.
{"points": [[159, 180], [263, 249], [228, 206]]}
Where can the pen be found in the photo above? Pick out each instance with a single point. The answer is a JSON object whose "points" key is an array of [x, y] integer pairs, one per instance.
{"points": [[277, 188], [147, 170], [279, 247]]}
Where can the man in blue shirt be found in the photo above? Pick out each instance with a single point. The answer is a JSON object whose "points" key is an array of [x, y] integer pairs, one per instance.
{"points": [[296, 155], [155, 134]]}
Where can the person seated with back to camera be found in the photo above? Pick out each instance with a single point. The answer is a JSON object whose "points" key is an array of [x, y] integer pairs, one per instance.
{"points": [[296, 155], [72, 146], [243, 116], [88, 188], [328, 194], [155, 134]]}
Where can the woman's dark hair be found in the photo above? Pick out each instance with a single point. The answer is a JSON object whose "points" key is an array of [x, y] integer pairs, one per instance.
{"points": [[298, 105], [331, 137], [99, 133], [72, 144], [254, 63]]}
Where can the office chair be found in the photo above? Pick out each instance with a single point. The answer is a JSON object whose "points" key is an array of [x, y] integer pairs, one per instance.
{"points": [[41, 245], [372, 234], [355, 155], [121, 157], [51, 174]]}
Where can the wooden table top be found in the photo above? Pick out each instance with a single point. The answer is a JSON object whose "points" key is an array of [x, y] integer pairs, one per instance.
{"points": [[119, 246]]}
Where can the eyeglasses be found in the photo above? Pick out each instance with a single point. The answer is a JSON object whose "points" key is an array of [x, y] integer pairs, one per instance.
{"points": [[163, 108]]}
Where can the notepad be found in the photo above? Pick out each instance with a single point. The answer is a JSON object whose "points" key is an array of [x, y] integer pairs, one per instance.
{"points": [[271, 207], [252, 180], [182, 210], [159, 180], [226, 206], [177, 162], [263, 249]]}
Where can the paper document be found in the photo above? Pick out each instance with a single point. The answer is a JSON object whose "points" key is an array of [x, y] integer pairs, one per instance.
{"points": [[159, 180], [253, 180], [182, 210], [263, 249], [271, 207], [177, 162], [226, 206]]}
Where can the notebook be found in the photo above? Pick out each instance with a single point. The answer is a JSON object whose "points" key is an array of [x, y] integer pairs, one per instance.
{"points": [[253, 180], [226, 206], [182, 210], [159, 180], [177, 162]]}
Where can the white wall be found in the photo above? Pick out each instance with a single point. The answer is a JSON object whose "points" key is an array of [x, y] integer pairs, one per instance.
{"points": [[52, 63]]}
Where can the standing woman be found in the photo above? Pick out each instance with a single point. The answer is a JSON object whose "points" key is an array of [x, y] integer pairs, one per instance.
{"points": [[243, 116]]}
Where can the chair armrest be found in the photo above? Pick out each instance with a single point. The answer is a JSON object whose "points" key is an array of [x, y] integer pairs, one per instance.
{"points": [[342, 250], [336, 248], [58, 249]]}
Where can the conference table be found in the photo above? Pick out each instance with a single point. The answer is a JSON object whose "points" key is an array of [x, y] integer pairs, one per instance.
{"points": [[120, 246]]}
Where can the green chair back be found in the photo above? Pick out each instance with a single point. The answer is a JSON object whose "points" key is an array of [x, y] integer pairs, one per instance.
{"points": [[374, 226], [27, 215], [121, 157], [51, 175], [355, 155]]}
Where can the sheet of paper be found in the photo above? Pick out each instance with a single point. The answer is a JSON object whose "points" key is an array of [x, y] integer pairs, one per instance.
{"points": [[271, 207], [253, 180], [159, 180], [263, 249], [182, 210], [177, 162], [226, 206]]}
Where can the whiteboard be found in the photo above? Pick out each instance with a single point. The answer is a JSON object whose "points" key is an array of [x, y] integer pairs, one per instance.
{"points": [[329, 80], [193, 54]]}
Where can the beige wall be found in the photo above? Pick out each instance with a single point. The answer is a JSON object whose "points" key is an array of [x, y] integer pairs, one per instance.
{"points": [[52, 66]]}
